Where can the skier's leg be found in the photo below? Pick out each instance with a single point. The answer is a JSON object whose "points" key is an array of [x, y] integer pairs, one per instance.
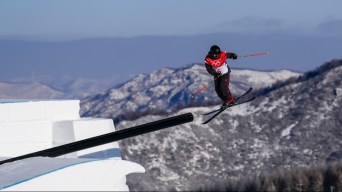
{"points": [[224, 87], [218, 83]]}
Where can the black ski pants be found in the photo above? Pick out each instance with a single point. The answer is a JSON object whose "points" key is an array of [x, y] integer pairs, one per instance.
{"points": [[222, 87]]}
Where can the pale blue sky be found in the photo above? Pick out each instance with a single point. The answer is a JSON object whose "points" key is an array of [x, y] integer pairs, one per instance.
{"points": [[146, 35], [130, 18]]}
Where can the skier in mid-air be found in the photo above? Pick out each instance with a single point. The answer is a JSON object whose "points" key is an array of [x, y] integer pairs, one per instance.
{"points": [[216, 65]]}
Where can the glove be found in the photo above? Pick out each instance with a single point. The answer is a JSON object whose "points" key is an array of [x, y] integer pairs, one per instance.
{"points": [[217, 75], [232, 56]]}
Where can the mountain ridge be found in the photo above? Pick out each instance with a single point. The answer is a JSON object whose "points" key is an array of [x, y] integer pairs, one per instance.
{"points": [[167, 89], [295, 125], [49, 87]]}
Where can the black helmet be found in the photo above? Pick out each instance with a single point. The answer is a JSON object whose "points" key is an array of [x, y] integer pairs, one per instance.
{"points": [[215, 49]]}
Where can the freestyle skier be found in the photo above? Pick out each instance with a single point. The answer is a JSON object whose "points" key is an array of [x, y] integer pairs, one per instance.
{"points": [[216, 65]]}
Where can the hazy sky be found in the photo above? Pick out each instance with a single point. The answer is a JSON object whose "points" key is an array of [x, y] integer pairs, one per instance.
{"points": [[58, 19], [301, 34]]}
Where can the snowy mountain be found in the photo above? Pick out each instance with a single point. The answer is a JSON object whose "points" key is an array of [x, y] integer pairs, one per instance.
{"points": [[48, 87], [167, 90], [28, 90], [293, 124]]}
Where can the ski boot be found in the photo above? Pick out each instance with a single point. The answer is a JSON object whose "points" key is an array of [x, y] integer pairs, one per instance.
{"points": [[228, 103]]}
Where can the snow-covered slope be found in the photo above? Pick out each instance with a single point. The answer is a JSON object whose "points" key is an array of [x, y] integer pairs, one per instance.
{"points": [[261, 79], [30, 127], [167, 89], [66, 174], [297, 124]]}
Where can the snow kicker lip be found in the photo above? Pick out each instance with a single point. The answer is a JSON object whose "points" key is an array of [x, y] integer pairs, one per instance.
{"points": [[107, 138]]}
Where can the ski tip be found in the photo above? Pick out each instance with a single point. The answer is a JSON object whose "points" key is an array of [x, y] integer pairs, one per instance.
{"points": [[252, 98]]}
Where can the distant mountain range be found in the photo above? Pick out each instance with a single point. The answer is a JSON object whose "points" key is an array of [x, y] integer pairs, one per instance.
{"points": [[125, 58], [167, 90], [66, 87], [48, 87], [294, 123]]}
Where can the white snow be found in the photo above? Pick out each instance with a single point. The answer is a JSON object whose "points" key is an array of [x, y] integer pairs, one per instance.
{"points": [[338, 92], [286, 132], [30, 126], [60, 174], [264, 78], [307, 151]]}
